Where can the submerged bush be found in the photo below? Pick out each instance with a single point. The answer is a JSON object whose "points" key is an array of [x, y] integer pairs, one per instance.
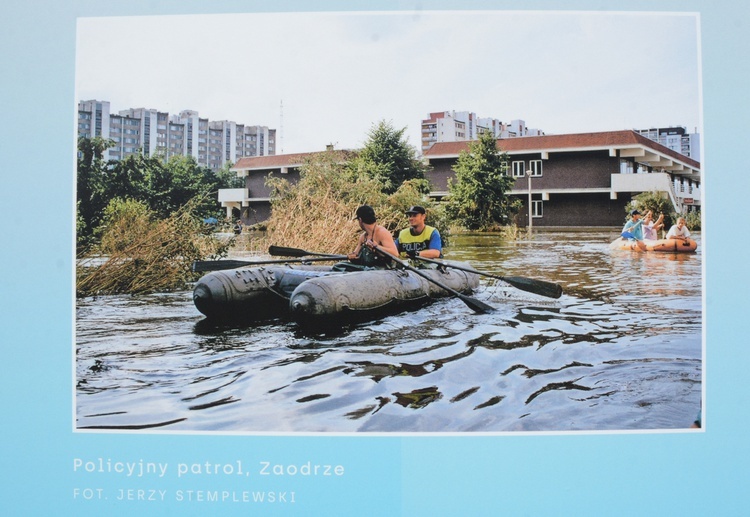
{"points": [[693, 220], [139, 253]]}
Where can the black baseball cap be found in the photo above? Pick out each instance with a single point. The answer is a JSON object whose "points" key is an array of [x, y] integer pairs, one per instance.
{"points": [[416, 209], [635, 212]]}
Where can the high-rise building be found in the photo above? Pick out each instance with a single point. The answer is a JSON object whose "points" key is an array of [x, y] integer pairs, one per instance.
{"points": [[461, 126], [152, 132], [675, 138]]}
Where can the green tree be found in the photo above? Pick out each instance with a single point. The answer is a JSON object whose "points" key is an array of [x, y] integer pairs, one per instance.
{"points": [[388, 158], [163, 185], [126, 179], [477, 193], [90, 187]]}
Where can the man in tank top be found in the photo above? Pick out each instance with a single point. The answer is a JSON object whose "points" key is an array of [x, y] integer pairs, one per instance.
{"points": [[372, 235]]}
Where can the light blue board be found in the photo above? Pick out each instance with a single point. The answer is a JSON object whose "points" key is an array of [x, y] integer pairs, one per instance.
{"points": [[46, 465]]}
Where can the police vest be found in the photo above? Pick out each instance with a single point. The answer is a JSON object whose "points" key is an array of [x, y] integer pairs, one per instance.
{"points": [[413, 244]]}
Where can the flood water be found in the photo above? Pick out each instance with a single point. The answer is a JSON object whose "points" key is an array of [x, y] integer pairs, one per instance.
{"points": [[620, 350]]}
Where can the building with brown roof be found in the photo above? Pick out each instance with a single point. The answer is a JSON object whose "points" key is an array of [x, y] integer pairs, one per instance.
{"points": [[583, 179]]}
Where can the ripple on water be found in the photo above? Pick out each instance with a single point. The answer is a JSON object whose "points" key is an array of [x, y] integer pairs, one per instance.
{"points": [[620, 350]]}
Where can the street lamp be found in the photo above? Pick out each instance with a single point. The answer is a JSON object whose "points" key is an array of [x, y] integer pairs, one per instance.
{"points": [[528, 175]]}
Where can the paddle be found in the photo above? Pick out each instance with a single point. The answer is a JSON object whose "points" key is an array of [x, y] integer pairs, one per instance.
{"points": [[281, 251], [473, 303], [540, 287], [218, 265]]}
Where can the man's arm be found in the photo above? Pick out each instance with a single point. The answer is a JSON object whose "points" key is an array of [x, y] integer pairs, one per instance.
{"points": [[434, 247]]}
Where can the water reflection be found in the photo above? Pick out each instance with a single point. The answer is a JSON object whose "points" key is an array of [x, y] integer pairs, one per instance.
{"points": [[621, 349]]}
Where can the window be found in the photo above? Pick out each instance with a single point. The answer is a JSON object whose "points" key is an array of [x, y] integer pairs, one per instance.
{"points": [[536, 168], [504, 168], [518, 169], [536, 208]]}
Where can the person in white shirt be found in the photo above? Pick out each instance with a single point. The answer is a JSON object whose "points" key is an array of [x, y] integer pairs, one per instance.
{"points": [[679, 231]]}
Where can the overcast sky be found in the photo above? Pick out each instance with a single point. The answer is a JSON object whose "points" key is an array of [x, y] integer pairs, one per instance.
{"points": [[338, 74]]}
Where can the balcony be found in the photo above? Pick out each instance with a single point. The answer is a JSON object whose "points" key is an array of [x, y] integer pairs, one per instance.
{"points": [[233, 195], [233, 198], [659, 182]]}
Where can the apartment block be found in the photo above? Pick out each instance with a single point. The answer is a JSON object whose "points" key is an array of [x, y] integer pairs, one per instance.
{"points": [[676, 138], [463, 126], [153, 132]]}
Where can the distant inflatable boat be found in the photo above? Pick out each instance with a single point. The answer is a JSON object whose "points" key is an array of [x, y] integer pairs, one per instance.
{"points": [[661, 245]]}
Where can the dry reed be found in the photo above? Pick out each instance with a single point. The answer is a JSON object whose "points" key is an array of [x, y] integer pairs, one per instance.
{"points": [[317, 213], [145, 255]]}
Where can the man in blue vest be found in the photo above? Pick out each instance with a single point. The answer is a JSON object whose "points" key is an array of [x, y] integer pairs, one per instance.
{"points": [[419, 239]]}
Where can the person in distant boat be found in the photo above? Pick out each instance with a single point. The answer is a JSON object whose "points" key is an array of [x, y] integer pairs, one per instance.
{"points": [[650, 227], [633, 229], [372, 235], [679, 231], [419, 239]]}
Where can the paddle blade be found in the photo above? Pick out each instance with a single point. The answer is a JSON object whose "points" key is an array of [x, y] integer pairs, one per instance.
{"points": [[281, 251], [476, 305], [540, 287], [218, 265]]}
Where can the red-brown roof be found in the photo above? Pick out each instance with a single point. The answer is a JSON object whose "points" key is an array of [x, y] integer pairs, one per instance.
{"points": [[606, 139], [272, 162], [279, 160]]}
